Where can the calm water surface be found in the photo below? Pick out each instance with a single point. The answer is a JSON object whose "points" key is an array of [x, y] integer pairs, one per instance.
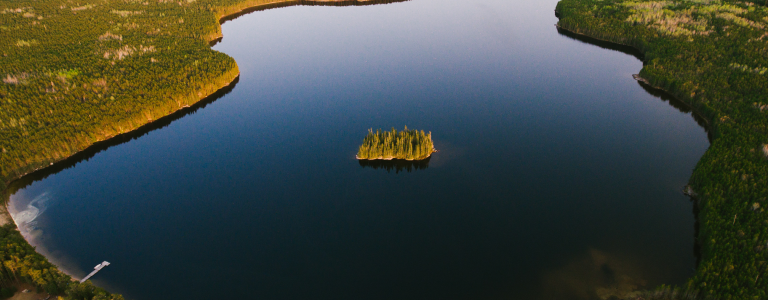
{"points": [[558, 176]]}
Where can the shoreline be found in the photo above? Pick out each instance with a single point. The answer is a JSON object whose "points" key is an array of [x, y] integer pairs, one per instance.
{"points": [[589, 37], [229, 13], [395, 158]]}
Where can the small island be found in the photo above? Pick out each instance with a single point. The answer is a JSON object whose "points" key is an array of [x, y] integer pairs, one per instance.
{"points": [[388, 145]]}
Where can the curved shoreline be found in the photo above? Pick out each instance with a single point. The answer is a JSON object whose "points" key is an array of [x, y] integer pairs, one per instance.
{"points": [[697, 114], [230, 13], [637, 77]]}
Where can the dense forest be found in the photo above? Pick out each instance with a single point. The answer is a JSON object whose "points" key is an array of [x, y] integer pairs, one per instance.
{"points": [[406, 144], [78, 72], [712, 55]]}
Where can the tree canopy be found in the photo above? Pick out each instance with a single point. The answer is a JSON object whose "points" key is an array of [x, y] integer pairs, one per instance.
{"points": [[393, 144]]}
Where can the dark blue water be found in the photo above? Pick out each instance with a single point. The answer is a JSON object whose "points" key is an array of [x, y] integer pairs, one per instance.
{"points": [[558, 176]]}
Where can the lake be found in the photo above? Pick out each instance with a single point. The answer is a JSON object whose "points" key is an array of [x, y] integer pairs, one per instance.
{"points": [[559, 176]]}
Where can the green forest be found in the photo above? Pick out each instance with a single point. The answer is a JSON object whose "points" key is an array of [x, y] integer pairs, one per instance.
{"points": [[712, 55], [393, 144]]}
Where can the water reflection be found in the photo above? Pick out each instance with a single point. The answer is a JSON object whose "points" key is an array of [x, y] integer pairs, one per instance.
{"points": [[696, 228], [679, 105], [299, 3], [602, 44], [398, 165]]}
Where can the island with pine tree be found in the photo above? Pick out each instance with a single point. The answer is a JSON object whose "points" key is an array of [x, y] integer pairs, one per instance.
{"points": [[388, 145]]}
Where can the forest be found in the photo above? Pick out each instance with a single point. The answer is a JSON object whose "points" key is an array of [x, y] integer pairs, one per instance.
{"points": [[713, 56], [393, 144]]}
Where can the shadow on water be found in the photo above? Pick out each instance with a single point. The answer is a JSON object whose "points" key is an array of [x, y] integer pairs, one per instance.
{"points": [[299, 3], [602, 44], [91, 151], [679, 105], [398, 165], [696, 230]]}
